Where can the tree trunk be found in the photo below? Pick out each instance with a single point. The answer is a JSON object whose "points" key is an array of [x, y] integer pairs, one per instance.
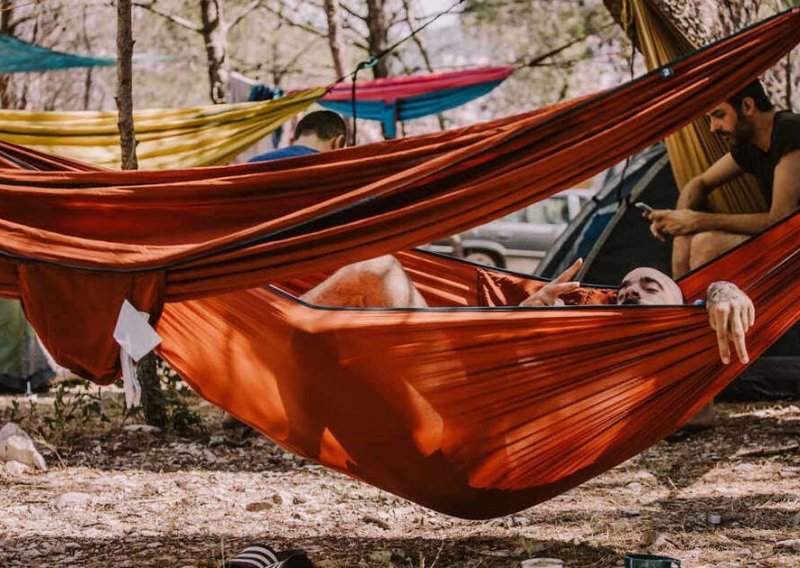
{"points": [[87, 84], [215, 36], [7, 98], [153, 400], [334, 16], [378, 39], [127, 137]]}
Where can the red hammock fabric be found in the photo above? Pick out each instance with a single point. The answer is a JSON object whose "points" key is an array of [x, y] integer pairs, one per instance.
{"points": [[474, 412], [393, 88], [75, 244]]}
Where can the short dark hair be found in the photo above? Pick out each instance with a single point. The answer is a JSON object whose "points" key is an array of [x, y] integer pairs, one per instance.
{"points": [[754, 90], [324, 123]]}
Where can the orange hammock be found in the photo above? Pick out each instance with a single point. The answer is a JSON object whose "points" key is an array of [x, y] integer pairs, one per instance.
{"points": [[75, 244], [470, 407], [472, 411]]}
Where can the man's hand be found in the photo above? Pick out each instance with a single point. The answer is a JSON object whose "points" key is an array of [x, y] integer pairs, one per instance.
{"points": [[549, 294], [673, 222], [731, 313]]}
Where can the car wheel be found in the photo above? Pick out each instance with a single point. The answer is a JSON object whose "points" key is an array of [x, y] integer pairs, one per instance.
{"points": [[484, 257]]}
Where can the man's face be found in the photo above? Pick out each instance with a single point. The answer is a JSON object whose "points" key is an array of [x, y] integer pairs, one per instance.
{"points": [[648, 286], [730, 125]]}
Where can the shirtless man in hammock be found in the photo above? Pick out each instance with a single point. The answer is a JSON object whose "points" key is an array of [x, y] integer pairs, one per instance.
{"points": [[383, 283]]}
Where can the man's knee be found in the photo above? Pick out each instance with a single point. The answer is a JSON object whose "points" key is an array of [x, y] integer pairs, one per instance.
{"points": [[709, 245]]}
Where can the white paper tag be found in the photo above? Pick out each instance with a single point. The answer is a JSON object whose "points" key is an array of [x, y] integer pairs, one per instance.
{"points": [[130, 384], [136, 338], [133, 333]]}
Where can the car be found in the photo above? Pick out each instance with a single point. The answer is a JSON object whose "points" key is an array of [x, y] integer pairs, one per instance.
{"points": [[526, 234]]}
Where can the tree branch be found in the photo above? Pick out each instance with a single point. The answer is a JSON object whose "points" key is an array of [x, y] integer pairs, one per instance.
{"points": [[245, 11], [352, 12], [288, 21], [182, 22]]}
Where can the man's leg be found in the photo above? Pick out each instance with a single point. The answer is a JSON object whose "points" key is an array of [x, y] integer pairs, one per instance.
{"points": [[681, 248], [377, 283], [705, 247]]}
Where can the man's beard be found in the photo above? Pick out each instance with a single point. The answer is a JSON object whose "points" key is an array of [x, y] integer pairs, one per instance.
{"points": [[742, 132]]}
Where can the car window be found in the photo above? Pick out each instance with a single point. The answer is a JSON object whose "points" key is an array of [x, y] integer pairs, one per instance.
{"points": [[552, 211]]}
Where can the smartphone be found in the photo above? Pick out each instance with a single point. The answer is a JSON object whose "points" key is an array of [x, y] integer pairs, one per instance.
{"points": [[643, 206]]}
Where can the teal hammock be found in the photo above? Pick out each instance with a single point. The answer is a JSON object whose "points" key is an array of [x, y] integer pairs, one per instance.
{"points": [[20, 57]]}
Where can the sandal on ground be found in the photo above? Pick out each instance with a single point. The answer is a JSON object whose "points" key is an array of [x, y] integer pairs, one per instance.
{"points": [[254, 556]]}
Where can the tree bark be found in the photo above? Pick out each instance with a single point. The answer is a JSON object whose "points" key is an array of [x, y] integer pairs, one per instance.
{"points": [[378, 39], [334, 17], [7, 98], [127, 136], [215, 36]]}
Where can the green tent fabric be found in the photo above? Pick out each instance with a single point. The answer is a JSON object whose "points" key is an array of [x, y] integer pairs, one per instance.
{"points": [[22, 359], [20, 57]]}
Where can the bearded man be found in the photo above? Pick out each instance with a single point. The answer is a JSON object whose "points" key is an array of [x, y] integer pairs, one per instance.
{"points": [[764, 143]]}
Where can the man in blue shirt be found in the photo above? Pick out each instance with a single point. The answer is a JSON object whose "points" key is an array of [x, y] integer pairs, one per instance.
{"points": [[318, 131]]}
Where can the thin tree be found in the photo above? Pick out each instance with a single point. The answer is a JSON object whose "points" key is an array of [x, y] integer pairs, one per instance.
{"points": [[152, 399], [334, 17]]}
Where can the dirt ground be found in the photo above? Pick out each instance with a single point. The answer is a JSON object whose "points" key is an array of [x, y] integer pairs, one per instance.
{"points": [[113, 497]]}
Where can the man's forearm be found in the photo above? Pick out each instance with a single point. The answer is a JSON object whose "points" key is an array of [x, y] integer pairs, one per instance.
{"points": [[747, 224], [693, 195]]}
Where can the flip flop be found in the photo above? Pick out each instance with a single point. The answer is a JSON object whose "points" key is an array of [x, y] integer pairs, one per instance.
{"points": [[254, 556]]}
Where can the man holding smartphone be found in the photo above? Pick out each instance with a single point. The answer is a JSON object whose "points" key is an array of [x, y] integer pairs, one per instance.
{"points": [[764, 143]]}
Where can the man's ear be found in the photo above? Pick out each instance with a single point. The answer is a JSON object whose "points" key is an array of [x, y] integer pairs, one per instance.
{"points": [[748, 106], [338, 142]]}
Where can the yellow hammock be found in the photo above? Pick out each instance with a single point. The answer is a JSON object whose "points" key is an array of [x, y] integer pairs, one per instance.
{"points": [[693, 148], [168, 138]]}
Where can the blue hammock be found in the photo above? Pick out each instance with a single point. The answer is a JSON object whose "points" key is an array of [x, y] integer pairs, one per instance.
{"points": [[20, 57], [404, 98]]}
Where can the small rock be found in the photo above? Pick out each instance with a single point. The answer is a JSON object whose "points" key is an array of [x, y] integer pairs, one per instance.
{"points": [[282, 498], [625, 512], [209, 456], [17, 468], [714, 518], [19, 447], [11, 429], [542, 563], [745, 467], [147, 428], [793, 544], [73, 501], [372, 519], [788, 473], [258, 506], [635, 486], [299, 500]]}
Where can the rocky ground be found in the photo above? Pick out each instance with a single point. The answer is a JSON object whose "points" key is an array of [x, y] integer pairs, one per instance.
{"points": [[127, 497]]}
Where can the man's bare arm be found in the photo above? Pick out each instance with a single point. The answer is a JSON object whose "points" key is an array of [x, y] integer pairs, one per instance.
{"points": [[693, 198], [785, 187], [695, 193], [731, 313]]}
